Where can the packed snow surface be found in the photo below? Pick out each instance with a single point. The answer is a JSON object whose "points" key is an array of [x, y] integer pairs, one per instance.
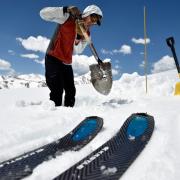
{"points": [[29, 120]]}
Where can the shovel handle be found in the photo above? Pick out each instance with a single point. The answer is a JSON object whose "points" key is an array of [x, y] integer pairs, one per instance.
{"points": [[86, 36], [170, 42], [94, 52]]}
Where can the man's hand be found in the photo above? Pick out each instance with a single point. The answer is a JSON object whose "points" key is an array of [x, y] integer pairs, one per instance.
{"points": [[74, 11]]}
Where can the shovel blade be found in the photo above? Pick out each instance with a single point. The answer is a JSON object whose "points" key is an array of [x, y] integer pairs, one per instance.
{"points": [[101, 77], [177, 89]]}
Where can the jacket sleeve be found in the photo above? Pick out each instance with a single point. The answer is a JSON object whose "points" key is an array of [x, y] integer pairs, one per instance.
{"points": [[54, 14], [78, 49]]}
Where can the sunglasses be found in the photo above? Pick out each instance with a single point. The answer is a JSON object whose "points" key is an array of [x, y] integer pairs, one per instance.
{"points": [[96, 19]]}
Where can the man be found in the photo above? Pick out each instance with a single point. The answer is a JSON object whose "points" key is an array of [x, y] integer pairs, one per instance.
{"points": [[67, 39]]}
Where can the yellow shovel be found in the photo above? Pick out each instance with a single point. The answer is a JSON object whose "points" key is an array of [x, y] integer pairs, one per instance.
{"points": [[170, 42]]}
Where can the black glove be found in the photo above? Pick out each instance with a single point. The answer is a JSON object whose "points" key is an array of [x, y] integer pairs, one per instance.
{"points": [[74, 11]]}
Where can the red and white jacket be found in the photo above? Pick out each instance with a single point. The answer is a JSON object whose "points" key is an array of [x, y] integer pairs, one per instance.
{"points": [[62, 44]]}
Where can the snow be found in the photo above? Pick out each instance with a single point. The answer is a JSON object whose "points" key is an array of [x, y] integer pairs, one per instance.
{"points": [[29, 120], [108, 171]]}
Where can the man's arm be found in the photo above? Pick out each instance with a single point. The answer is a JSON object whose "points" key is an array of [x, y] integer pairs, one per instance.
{"points": [[79, 48], [55, 14]]}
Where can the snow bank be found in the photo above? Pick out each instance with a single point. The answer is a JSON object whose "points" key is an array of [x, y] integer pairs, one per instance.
{"points": [[29, 120]]}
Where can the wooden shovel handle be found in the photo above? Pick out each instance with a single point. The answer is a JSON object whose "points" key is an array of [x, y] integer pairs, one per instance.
{"points": [[88, 39]]}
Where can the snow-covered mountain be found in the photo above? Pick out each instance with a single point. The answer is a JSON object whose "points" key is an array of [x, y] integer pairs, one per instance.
{"points": [[29, 120], [33, 80], [83, 79], [28, 81]]}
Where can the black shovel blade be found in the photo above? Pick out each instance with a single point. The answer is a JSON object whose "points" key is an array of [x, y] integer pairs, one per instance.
{"points": [[101, 77]]}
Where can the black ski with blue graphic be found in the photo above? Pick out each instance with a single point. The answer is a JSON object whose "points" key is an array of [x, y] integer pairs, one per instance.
{"points": [[113, 158], [22, 166]]}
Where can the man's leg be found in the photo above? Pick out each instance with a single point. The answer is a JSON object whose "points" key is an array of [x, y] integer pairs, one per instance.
{"points": [[54, 79], [69, 86]]}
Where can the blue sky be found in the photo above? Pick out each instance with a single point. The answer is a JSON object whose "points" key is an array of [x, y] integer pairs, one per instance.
{"points": [[24, 35]]}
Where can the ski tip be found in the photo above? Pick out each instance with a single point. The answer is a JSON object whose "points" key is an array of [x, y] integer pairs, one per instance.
{"points": [[139, 124], [87, 130]]}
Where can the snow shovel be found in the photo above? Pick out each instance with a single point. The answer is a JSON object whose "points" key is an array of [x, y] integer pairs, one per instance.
{"points": [[170, 42], [101, 73]]}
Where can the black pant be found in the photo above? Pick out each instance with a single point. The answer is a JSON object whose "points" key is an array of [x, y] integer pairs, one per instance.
{"points": [[59, 78]]}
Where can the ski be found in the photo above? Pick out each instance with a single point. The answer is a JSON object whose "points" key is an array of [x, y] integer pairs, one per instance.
{"points": [[113, 158], [22, 166]]}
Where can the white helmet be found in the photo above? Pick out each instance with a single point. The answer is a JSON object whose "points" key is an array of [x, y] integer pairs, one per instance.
{"points": [[92, 9]]}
